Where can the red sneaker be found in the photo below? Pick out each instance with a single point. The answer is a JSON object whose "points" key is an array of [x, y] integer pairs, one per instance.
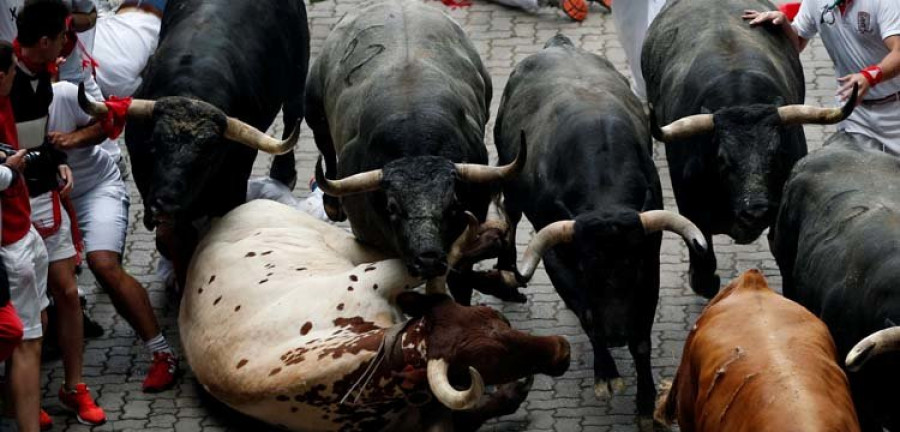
{"points": [[79, 400], [45, 421], [162, 372]]}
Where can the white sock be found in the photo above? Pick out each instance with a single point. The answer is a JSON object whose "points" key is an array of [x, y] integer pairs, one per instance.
{"points": [[158, 344]]}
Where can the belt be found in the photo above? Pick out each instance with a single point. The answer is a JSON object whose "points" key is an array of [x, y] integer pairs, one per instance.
{"points": [[887, 99]]}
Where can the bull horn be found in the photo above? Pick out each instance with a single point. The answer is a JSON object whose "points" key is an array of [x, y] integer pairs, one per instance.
{"points": [[552, 235], [139, 108], [454, 399], [238, 131], [477, 173], [358, 183], [682, 128], [664, 220], [887, 340], [808, 114]]}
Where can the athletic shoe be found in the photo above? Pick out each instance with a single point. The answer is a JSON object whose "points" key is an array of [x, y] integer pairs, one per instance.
{"points": [[575, 9], [80, 401], [162, 372], [45, 421]]}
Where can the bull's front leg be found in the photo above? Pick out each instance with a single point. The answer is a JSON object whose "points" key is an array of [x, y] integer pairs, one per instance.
{"points": [[607, 380], [704, 280], [177, 242], [502, 285], [639, 348]]}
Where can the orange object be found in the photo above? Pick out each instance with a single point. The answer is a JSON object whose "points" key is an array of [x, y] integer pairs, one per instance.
{"points": [[575, 9], [81, 402], [790, 9], [45, 422]]}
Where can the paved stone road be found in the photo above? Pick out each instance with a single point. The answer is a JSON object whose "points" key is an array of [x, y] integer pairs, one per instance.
{"points": [[116, 362]]}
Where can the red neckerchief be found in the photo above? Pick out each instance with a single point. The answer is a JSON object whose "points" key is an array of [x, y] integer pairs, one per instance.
{"points": [[30, 65], [844, 5]]}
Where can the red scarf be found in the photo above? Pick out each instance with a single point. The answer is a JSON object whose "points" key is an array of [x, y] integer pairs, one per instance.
{"points": [[114, 122]]}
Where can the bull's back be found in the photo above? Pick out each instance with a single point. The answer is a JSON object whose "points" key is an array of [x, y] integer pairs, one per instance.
{"points": [[400, 59], [698, 47], [757, 361], [586, 131], [842, 204]]}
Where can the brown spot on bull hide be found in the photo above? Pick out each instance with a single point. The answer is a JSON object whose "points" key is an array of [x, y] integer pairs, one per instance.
{"points": [[199, 290], [250, 255], [241, 363], [354, 278], [282, 398], [217, 300], [349, 288], [263, 281], [306, 328], [266, 253], [294, 409], [269, 274], [340, 307], [375, 287], [211, 279], [275, 371], [237, 308], [369, 268], [356, 324], [300, 268], [269, 266], [368, 342], [294, 356]]}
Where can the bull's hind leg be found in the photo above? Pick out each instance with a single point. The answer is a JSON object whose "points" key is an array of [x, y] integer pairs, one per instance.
{"points": [[704, 280]]}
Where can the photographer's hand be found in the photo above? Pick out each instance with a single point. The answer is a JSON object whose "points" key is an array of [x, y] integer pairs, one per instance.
{"points": [[66, 174], [17, 161]]}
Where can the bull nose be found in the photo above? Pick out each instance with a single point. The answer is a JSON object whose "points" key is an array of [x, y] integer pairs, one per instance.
{"points": [[429, 265], [754, 211]]}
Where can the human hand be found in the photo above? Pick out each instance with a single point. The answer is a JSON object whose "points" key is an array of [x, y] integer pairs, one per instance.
{"points": [[757, 18], [63, 141], [16, 161], [66, 174], [846, 89]]}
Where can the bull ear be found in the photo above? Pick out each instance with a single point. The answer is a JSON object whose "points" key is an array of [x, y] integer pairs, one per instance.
{"points": [[413, 303]]}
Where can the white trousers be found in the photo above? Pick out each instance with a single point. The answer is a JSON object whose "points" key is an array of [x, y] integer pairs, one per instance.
{"points": [[633, 18]]}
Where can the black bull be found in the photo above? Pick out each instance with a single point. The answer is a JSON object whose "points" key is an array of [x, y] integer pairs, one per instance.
{"points": [[212, 62], [837, 243], [589, 184], [721, 87], [398, 103]]}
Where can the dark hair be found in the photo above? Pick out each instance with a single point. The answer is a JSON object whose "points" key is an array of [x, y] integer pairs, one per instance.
{"points": [[6, 55], [39, 18]]}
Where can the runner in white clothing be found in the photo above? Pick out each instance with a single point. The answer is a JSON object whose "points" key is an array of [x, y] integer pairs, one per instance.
{"points": [[633, 18], [123, 44], [863, 40]]}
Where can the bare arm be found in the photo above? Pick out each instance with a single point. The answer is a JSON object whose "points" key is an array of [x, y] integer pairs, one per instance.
{"points": [[776, 18], [87, 136], [890, 68]]}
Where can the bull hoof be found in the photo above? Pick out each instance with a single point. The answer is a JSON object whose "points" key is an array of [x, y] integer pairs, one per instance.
{"points": [[604, 390], [705, 286]]}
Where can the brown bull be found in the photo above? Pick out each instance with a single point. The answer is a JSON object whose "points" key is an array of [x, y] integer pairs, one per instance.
{"points": [[756, 361]]}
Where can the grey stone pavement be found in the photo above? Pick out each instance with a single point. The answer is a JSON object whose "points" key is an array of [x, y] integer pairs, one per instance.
{"points": [[115, 364]]}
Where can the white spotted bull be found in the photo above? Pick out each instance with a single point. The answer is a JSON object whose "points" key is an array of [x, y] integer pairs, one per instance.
{"points": [[292, 321]]}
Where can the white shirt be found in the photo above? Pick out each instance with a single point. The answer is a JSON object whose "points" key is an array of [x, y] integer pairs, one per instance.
{"points": [[856, 39], [91, 166], [9, 10], [73, 70], [122, 47]]}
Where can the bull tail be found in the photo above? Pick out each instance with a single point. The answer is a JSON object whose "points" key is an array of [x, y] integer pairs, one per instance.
{"points": [[666, 404]]}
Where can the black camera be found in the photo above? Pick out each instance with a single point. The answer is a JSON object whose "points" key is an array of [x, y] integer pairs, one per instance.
{"points": [[30, 157]]}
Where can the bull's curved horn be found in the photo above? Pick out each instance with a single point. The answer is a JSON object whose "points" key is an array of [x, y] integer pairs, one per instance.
{"points": [[252, 137], [887, 340], [808, 114], [552, 235], [446, 394], [466, 238], [682, 128], [139, 108], [358, 183], [476, 173], [659, 220]]}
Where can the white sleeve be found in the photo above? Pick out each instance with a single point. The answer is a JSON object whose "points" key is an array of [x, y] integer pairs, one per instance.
{"points": [[889, 18], [6, 177], [69, 98], [806, 23]]}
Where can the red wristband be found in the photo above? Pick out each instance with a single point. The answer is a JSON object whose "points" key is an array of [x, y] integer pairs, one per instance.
{"points": [[873, 75]]}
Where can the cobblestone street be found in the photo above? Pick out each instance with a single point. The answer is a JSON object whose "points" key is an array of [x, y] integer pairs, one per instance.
{"points": [[116, 362]]}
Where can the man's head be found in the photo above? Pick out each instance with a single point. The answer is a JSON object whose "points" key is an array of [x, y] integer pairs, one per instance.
{"points": [[42, 29], [7, 68]]}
